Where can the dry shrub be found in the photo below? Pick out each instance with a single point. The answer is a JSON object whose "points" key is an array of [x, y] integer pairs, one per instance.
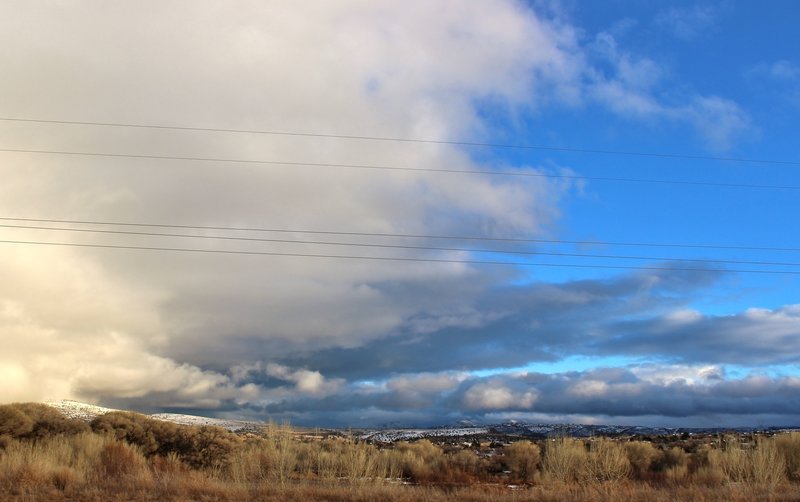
{"points": [[60, 462], [466, 462], [422, 460], [767, 465], [761, 464], [130, 427], [13, 422], [670, 458], [281, 455], [641, 456], [362, 462], [64, 477], [118, 459], [789, 447], [199, 446], [731, 459], [607, 460], [167, 466], [32, 421], [565, 460], [709, 475], [523, 459], [250, 464], [207, 446]]}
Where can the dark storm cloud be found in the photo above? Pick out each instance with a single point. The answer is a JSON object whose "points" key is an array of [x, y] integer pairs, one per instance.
{"points": [[513, 325], [685, 393]]}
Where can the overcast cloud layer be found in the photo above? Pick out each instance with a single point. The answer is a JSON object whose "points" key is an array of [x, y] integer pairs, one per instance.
{"points": [[330, 341]]}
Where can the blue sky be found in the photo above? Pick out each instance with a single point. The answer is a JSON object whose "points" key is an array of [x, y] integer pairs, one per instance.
{"points": [[117, 319]]}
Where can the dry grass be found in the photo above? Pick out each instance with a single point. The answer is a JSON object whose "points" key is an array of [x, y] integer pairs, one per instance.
{"points": [[130, 458], [761, 464], [789, 447]]}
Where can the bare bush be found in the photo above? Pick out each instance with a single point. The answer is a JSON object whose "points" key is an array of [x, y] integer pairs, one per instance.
{"points": [[565, 460], [767, 465], [641, 456], [607, 460], [762, 463], [523, 459], [422, 460], [788, 446]]}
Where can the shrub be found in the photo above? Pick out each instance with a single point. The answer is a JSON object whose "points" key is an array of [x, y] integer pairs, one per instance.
{"points": [[207, 446], [13, 422], [607, 460], [641, 456], [421, 460], [761, 464], [523, 459], [199, 447], [789, 447], [129, 427], [32, 421], [767, 465], [118, 459], [565, 460]]}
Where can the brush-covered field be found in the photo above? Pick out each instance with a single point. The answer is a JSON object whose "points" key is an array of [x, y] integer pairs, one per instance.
{"points": [[126, 456]]}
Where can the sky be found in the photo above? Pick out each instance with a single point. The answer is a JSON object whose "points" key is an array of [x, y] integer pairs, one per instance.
{"points": [[403, 213]]}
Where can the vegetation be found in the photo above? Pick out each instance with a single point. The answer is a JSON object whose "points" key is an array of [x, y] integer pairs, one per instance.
{"points": [[126, 456]]}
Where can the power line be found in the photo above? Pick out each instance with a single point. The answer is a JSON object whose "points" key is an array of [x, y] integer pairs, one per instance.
{"points": [[410, 236], [398, 168], [411, 140], [408, 247], [402, 259]]}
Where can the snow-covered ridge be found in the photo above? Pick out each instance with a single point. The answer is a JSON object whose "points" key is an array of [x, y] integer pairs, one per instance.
{"points": [[75, 409], [231, 425], [391, 435], [87, 412]]}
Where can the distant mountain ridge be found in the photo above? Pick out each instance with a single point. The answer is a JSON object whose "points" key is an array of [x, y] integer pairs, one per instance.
{"points": [[537, 431], [512, 428]]}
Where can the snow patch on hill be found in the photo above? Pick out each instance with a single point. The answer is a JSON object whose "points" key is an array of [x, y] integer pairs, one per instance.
{"points": [[88, 412], [75, 409]]}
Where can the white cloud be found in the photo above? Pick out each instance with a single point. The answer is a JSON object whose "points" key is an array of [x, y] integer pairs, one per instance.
{"points": [[688, 23], [306, 381], [187, 329], [688, 374], [493, 395], [173, 324], [781, 70], [634, 87]]}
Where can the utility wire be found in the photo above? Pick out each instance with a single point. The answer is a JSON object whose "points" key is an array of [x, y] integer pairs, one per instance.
{"points": [[387, 258], [411, 140], [410, 236], [397, 168], [407, 247]]}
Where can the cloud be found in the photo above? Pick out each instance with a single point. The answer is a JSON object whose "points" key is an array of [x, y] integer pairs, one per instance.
{"points": [[752, 337], [306, 382], [688, 23], [194, 320], [781, 78], [356, 339], [636, 87], [631, 395], [493, 395], [781, 70]]}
